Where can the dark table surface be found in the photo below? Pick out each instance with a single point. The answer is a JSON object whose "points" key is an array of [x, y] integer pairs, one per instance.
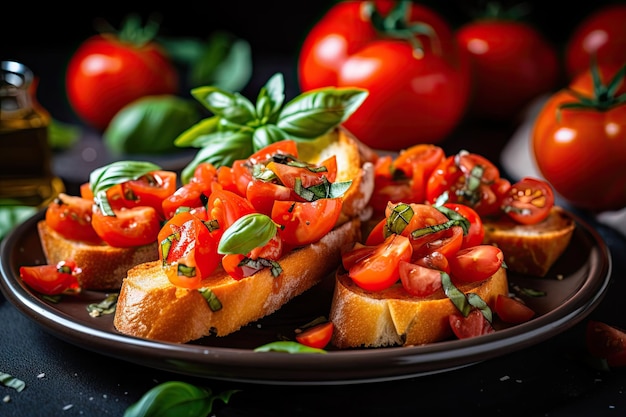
{"points": [[551, 378]]}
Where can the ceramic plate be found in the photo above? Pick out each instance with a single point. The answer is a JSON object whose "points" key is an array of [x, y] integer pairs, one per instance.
{"points": [[573, 288]]}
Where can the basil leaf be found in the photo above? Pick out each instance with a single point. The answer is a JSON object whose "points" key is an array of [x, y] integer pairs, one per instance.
{"points": [[231, 106], [107, 176], [455, 295], [225, 61], [289, 347], [12, 382], [476, 301], [398, 219], [266, 135], [233, 146], [198, 134], [273, 96], [314, 113], [246, 233], [176, 398]]}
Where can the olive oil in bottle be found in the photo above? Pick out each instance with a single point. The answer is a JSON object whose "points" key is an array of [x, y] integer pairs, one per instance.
{"points": [[26, 176]]}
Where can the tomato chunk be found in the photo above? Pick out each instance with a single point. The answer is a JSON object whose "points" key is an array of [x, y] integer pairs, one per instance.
{"points": [[512, 311], [317, 336]]}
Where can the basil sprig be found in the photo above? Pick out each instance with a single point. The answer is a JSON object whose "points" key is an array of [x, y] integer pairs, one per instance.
{"points": [[177, 398], [238, 127], [105, 177]]}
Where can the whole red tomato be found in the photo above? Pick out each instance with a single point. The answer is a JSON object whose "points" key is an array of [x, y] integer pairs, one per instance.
{"points": [[603, 34], [109, 71], [418, 81], [512, 63], [579, 144]]}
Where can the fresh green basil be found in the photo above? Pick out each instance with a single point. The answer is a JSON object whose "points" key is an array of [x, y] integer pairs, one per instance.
{"points": [[288, 347], [12, 382], [150, 125], [105, 177], [176, 398], [399, 219], [314, 113], [254, 126], [224, 150], [246, 233]]}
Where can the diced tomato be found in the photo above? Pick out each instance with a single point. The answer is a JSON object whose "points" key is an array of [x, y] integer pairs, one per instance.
{"points": [[475, 324], [188, 195], [309, 175], [263, 194], [434, 260], [131, 227], [476, 263], [52, 279], [317, 336], [150, 190], [226, 207], [606, 342], [356, 254], [380, 269], [418, 280], [71, 217], [512, 311], [302, 223], [476, 232], [188, 250]]}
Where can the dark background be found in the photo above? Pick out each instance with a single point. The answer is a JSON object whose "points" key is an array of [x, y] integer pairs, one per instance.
{"points": [[45, 36]]}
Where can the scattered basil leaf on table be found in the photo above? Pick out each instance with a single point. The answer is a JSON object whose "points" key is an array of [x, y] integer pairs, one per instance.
{"points": [[176, 398]]}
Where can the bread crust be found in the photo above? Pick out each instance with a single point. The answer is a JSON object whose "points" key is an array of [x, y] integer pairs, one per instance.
{"points": [[531, 249], [395, 318], [103, 267], [149, 306]]}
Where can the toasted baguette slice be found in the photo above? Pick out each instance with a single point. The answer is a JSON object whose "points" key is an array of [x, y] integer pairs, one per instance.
{"points": [[531, 249], [395, 318], [149, 306], [103, 266]]}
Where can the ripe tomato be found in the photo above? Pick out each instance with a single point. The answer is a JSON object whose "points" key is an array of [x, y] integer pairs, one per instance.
{"points": [[52, 279], [404, 178], [380, 268], [317, 336], [512, 311], [136, 226], [226, 207], [475, 324], [418, 280], [263, 194], [150, 190], [188, 250], [476, 263], [512, 63], [415, 95], [476, 232], [188, 195], [470, 179], [580, 148], [109, 71], [302, 223], [601, 34], [528, 201], [606, 342], [71, 217]]}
